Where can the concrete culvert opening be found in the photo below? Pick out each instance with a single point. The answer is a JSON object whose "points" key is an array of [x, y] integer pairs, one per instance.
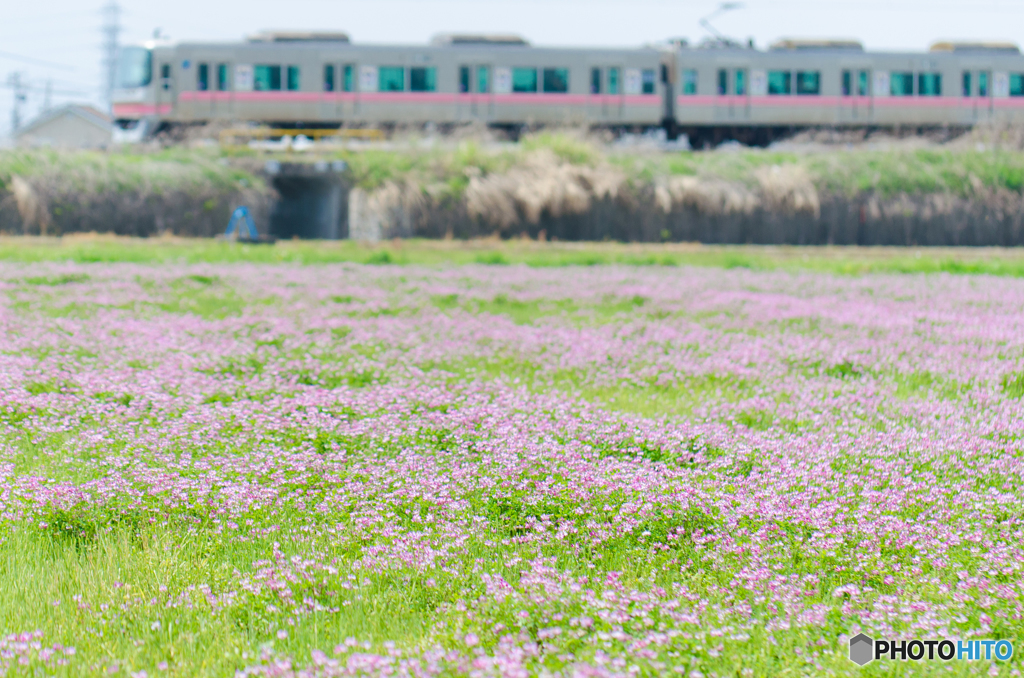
{"points": [[312, 200]]}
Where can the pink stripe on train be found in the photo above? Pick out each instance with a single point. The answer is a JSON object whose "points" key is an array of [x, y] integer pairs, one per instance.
{"points": [[807, 100], [140, 110], [519, 99]]}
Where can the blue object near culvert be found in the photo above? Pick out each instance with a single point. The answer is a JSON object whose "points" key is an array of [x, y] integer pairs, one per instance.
{"points": [[241, 214]]}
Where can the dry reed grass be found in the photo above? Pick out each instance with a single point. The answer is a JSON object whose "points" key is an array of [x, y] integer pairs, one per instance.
{"points": [[788, 189], [32, 210], [543, 183], [705, 195]]}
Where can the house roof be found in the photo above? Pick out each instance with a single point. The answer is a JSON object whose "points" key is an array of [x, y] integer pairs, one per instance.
{"points": [[88, 113]]}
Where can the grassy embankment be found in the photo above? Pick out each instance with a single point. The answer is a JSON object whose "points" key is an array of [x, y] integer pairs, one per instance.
{"points": [[956, 170], [501, 187], [120, 172], [178, 191]]}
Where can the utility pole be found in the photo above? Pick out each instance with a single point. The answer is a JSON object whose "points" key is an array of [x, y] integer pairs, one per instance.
{"points": [[111, 41], [20, 91]]}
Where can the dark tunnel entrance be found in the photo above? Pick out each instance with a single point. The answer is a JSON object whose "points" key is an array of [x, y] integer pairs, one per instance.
{"points": [[312, 200]]}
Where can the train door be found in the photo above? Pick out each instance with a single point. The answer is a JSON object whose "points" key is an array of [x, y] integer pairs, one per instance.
{"points": [[613, 102], [347, 87], [732, 95], [741, 95], [483, 92], [329, 107], [165, 88], [855, 96], [464, 98], [968, 96], [474, 92], [847, 112], [722, 104], [597, 107], [983, 102], [202, 104], [221, 103]]}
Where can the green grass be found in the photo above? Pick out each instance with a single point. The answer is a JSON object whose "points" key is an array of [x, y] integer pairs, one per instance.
{"points": [[834, 260], [176, 169], [120, 566], [889, 173], [445, 170], [87, 572]]}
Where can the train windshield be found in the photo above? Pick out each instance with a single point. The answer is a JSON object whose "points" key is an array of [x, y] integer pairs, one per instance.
{"points": [[135, 68]]}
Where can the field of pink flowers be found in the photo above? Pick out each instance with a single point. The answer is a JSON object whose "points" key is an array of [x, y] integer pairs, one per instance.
{"points": [[284, 470]]}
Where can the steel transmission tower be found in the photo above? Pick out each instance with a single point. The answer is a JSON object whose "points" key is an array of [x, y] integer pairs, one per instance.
{"points": [[20, 90], [111, 33]]}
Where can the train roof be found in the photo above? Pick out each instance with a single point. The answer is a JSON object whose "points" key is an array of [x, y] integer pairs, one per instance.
{"points": [[299, 36], [450, 39], [816, 45], [789, 46], [447, 42], [975, 47]]}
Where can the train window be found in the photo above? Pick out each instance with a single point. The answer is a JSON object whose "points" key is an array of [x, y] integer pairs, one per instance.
{"points": [[463, 79], [203, 77], [780, 82], [347, 78], [135, 67], [613, 81], [689, 81], [556, 80], [524, 79], [422, 79], [648, 80], [595, 80], [901, 84], [847, 84], [965, 84], [328, 77], [983, 84], [222, 77], [266, 78], [294, 80], [483, 79], [723, 82], [808, 82], [929, 84], [1017, 84], [392, 79], [862, 84], [165, 76], [741, 82]]}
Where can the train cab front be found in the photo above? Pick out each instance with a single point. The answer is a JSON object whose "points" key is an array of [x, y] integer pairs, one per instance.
{"points": [[135, 101]]}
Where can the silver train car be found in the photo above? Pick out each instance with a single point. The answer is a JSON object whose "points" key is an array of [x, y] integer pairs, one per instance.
{"points": [[747, 94], [711, 92], [320, 80]]}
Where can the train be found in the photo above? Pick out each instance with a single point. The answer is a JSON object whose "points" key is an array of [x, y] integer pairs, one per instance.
{"points": [[713, 91]]}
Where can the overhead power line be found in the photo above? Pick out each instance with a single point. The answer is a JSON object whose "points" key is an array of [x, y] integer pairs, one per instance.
{"points": [[22, 86], [34, 61]]}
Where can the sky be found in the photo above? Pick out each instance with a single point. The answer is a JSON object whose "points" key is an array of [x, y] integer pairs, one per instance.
{"points": [[59, 40]]}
